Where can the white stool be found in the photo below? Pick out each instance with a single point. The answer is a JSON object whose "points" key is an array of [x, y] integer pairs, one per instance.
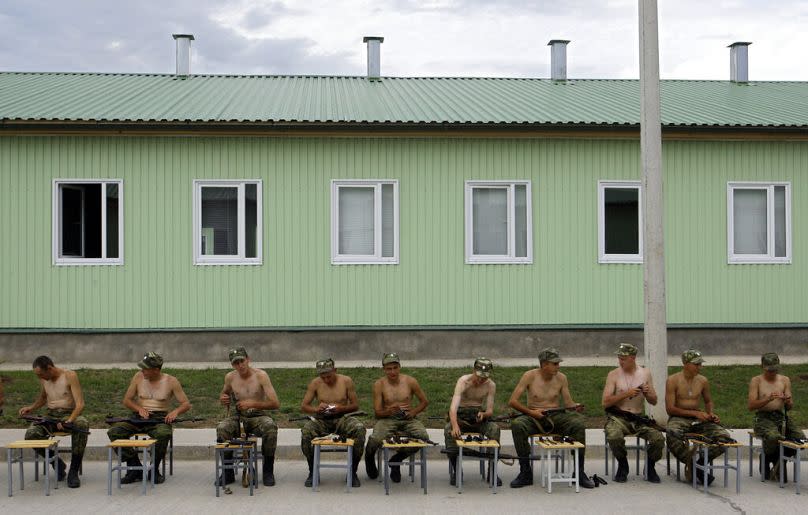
{"points": [[798, 447], [50, 447], [243, 455], [332, 444], [147, 461], [412, 444], [708, 467], [480, 445], [549, 448]]}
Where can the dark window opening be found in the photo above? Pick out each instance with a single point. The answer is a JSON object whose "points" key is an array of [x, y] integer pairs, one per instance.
{"points": [[621, 209]]}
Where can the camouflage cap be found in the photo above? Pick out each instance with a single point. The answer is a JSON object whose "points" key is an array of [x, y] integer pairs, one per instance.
{"points": [[151, 360], [692, 356], [325, 366], [770, 361], [550, 354], [483, 367], [237, 354], [391, 357], [626, 349]]}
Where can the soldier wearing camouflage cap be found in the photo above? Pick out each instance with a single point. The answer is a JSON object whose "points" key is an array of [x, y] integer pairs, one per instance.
{"points": [[395, 413], [329, 397], [470, 411], [770, 398], [149, 396], [684, 393], [627, 388], [544, 387], [253, 394]]}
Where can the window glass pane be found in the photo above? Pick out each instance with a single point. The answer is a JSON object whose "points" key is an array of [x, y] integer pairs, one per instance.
{"points": [[112, 220], [749, 221], [251, 220], [520, 223], [355, 205], [219, 221], [490, 221], [621, 220], [388, 227], [780, 221], [72, 202]]}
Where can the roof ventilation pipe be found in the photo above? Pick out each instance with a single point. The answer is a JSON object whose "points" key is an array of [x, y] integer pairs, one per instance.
{"points": [[558, 59], [739, 61], [374, 56], [183, 54]]}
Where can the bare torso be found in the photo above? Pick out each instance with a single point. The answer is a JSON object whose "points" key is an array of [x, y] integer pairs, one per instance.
{"points": [[336, 394], [247, 388], [58, 392], [396, 394], [688, 391], [155, 395], [542, 393], [766, 388], [624, 382], [473, 395]]}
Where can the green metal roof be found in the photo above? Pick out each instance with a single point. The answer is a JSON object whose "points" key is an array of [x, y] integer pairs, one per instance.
{"points": [[141, 98]]}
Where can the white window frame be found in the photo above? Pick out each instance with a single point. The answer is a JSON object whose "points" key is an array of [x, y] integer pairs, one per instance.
{"points": [[239, 258], [510, 257], [365, 259], [769, 257], [56, 224], [603, 257]]}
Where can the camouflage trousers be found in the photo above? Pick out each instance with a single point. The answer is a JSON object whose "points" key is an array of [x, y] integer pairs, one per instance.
{"points": [[387, 427], [78, 441], [677, 443], [349, 427], [256, 423], [568, 423], [125, 430], [617, 428], [769, 427], [467, 420]]}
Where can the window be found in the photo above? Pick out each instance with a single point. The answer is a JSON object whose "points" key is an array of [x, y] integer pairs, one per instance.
{"points": [[619, 222], [227, 222], [759, 222], [364, 222], [498, 222], [87, 222]]}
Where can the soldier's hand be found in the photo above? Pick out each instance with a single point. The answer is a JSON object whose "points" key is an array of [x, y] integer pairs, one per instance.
{"points": [[25, 410], [224, 399], [704, 417], [537, 413], [714, 418], [244, 405], [143, 412], [455, 431], [480, 416], [579, 408], [171, 417], [633, 392]]}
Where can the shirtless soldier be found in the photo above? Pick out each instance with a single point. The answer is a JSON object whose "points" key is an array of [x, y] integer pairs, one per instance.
{"points": [[683, 394], [392, 404], [544, 385], [333, 396], [148, 396], [627, 387], [770, 397], [253, 393], [472, 407], [61, 391]]}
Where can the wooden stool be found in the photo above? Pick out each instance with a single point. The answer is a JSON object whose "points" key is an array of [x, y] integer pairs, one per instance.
{"points": [[169, 451], [785, 444], [481, 446], [533, 440], [51, 458], [242, 451], [638, 447], [547, 448], [412, 444], [331, 444], [147, 458], [707, 467]]}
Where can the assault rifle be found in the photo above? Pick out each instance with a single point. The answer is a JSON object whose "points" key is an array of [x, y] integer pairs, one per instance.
{"points": [[635, 418], [146, 422], [398, 438], [546, 412], [328, 416], [49, 423], [716, 440]]}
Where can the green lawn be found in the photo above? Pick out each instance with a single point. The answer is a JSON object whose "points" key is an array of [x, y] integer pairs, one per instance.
{"points": [[103, 390]]}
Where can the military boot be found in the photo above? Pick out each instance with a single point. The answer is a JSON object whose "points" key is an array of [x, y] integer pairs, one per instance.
{"points": [[370, 464], [395, 470], [268, 469], [61, 469], [453, 469], [355, 483], [621, 474], [525, 477], [583, 479], [228, 476], [73, 480], [651, 474], [310, 462], [132, 476]]}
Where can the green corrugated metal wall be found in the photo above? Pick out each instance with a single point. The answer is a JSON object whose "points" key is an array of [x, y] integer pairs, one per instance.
{"points": [[159, 287]]}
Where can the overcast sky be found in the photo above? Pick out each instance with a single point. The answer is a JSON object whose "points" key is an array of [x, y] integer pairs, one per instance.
{"points": [[499, 38]]}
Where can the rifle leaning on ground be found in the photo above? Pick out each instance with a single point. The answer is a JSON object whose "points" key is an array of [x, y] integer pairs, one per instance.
{"points": [[546, 412], [328, 416], [146, 422], [49, 423], [635, 418]]}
